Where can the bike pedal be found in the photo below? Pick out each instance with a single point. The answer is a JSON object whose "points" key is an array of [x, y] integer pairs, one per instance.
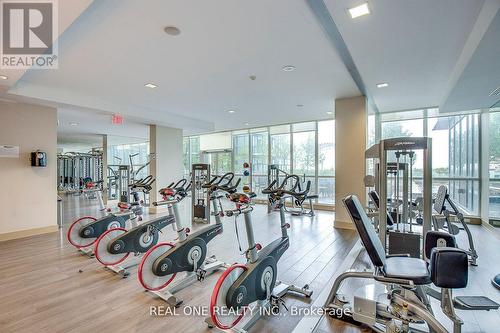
{"points": [[201, 273]]}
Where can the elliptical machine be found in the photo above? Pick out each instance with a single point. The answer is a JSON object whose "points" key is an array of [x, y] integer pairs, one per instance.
{"points": [[161, 263], [240, 285], [115, 245]]}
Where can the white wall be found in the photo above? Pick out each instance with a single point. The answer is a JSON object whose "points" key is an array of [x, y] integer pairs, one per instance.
{"points": [[28, 194], [350, 146], [167, 167]]}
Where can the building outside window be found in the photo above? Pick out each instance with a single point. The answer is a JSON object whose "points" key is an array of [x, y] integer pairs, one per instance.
{"points": [[306, 149], [455, 151]]}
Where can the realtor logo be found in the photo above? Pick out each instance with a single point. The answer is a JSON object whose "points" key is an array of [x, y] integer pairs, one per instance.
{"points": [[29, 31]]}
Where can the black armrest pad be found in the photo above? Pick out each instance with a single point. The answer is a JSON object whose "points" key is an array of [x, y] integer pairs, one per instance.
{"points": [[449, 267], [438, 239]]}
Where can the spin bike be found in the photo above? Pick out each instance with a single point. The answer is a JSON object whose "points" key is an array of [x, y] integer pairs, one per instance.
{"points": [[115, 245], [161, 263], [83, 233], [240, 285]]}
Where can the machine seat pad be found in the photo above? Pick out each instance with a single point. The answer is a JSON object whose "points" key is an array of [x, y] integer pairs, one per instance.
{"points": [[407, 268], [312, 196]]}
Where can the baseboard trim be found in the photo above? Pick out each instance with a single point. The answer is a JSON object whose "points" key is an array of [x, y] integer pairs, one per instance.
{"points": [[344, 225], [28, 232], [494, 231]]}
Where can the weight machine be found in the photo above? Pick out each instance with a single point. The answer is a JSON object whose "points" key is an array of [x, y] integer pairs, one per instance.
{"points": [[393, 182], [200, 196], [75, 170]]}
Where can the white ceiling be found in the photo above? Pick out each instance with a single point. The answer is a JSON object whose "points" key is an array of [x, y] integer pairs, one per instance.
{"points": [[422, 48], [115, 47], [481, 76], [413, 45]]}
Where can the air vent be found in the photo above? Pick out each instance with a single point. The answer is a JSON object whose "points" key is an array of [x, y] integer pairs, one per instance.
{"points": [[495, 92]]}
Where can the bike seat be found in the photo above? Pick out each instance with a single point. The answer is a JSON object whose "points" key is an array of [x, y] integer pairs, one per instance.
{"points": [[242, 198]]}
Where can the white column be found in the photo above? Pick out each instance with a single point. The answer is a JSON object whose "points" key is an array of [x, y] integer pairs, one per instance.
{"points": [[350, 146], [166, 144]]}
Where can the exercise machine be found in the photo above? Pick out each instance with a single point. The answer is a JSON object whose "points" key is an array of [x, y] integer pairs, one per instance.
{"points": [[393, 179], [200, 196], [84, 232], [440, 206], [115, 245], [93, 190], [243, 284], [161, 263], [399, 302], [374, 198], [298, 202], [297, 205], [135, 172], [75, 169]]}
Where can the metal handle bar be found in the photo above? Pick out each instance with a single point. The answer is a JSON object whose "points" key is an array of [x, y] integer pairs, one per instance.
{"points": [[238, 211]]}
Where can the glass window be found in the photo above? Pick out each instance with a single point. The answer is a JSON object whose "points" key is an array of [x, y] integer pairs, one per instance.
{"points": [[136, 154], [280, 151], [195, 150], [303, 127], [223, 163], [439, 131], [405, 128], [280, 129], [240, 152], [326, 190], [494, 164], [260, 147], [304, 153], [326, 148], [370, 138], [186, 155], [256, 145]]}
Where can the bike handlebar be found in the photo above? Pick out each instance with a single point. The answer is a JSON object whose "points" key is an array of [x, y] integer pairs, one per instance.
{"points": [[280, 190]]}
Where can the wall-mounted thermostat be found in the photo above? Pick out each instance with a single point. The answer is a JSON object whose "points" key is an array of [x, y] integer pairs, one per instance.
{"points": [[9, 151], [38, 159]]}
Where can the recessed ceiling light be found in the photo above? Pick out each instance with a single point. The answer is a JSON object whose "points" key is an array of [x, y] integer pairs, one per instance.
{"points": [[172, 31], [382, 85], [150, 85], [359, 10], [3, 77], [288, 68], [231, 111], [300, 105], [247, 124], [329, 112], [73, 123]]}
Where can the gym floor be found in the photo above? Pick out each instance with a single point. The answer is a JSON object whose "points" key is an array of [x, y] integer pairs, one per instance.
{"points": [[46, 286]]}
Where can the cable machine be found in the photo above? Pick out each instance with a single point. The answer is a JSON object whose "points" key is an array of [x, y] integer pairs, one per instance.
{"points": [[75, 170], [394, 161], [200, 197]]}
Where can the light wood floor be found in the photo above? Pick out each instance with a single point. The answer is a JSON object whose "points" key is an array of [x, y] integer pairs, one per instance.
{"points": [[45, 286], [41, 288], [487, 244]]}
